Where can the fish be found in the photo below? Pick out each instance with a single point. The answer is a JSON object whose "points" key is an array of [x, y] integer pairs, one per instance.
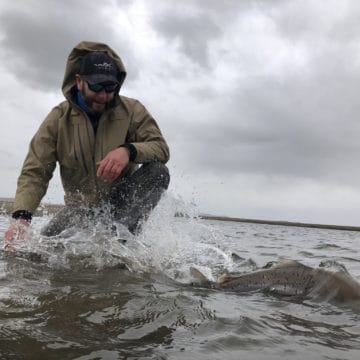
{"points": [[288, 278]]}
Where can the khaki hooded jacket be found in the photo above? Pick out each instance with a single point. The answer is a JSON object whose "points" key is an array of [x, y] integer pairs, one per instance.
{"points": [[67, 137]]}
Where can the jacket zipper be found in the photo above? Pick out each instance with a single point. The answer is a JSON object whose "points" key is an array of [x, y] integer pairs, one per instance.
{"points": [[82, 151], [93, 154]]}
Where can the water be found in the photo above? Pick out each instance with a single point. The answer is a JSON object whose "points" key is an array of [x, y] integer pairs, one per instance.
{"points": [[92, 295]]}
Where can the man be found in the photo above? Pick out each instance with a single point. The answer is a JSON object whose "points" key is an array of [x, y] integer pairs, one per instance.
{"points": [[98, 137]]}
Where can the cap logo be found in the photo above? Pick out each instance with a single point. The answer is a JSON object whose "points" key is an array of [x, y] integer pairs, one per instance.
{"points": [[106, 67]]}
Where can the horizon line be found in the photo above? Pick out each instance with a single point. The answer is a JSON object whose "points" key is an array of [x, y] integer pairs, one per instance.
{"points": [[5, 204]]}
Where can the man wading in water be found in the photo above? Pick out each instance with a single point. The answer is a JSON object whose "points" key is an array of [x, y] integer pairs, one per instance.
{"points": [[98, 137]]}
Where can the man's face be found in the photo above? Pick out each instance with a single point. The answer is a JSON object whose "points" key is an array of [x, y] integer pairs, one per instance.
{"points": [[94, 100]]}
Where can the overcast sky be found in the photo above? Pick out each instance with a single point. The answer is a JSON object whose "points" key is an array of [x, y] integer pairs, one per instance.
{"points": [[258, 100]]}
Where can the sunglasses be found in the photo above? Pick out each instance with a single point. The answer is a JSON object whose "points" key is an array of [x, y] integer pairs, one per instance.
{"points": [[109, 88]]}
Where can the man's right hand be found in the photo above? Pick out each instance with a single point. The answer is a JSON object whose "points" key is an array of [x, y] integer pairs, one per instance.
{"points": [[113, 164], [15, 231]]}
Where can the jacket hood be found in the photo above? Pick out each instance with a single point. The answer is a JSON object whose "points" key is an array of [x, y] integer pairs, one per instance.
{"points": [[74, 61]]}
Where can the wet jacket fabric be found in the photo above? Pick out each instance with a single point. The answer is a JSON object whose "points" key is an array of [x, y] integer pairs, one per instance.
{"points": [[67, 137]]}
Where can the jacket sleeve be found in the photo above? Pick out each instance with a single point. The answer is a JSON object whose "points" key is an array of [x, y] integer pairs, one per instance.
{"points": [[38, 166], [145, 135]]}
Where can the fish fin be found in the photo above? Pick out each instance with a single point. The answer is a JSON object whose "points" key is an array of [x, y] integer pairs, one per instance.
{"points": [[200, 278], [237, 257], [223, 278], [269, 265], [227, 277]]}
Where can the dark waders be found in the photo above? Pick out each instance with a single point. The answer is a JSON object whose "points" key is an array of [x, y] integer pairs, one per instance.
{"points": [[130, 202]]}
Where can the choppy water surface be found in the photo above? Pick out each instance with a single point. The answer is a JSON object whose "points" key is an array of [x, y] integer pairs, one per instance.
{"points": [[92, 295]]}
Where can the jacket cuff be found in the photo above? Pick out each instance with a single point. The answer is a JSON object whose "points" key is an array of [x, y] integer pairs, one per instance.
{"points": [[132, 150], [22, 214]]}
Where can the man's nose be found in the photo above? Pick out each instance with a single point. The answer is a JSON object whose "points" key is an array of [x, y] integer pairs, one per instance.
{"points": [[101, 94]]}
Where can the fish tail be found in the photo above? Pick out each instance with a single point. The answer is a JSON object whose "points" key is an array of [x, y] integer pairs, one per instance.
{"points": [[200, 278]]}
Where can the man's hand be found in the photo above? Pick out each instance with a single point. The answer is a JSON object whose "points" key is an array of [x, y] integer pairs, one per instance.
{"points": [[15, 231], [113, 164]]}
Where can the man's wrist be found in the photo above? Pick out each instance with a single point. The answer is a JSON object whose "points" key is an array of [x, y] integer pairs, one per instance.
{"points": [[22, 214], [131, 149]]}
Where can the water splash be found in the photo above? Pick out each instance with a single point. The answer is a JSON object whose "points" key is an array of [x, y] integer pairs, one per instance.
{"points": [[171, 241], [175, 243]]}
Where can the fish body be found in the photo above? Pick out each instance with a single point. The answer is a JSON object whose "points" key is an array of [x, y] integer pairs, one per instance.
{"points": [[289, 278]]}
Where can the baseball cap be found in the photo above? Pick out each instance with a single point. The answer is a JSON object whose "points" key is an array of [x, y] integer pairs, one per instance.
{"points": [[97, 67]]}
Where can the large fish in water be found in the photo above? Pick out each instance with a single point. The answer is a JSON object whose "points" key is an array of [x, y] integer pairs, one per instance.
{"points": [[290, 278]]}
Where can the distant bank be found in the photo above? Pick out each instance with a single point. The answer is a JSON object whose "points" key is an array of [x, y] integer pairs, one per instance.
{"points": [[283, 223], [6, 205], [43, 209]]}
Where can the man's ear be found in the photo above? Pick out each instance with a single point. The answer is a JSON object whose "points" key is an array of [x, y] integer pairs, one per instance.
{"points": [[78, 81]]}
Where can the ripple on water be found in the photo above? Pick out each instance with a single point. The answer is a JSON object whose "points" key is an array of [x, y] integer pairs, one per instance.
{"points": [[77, 302]]}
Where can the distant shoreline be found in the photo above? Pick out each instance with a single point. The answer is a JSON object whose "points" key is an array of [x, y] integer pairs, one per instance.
{"points": [[6, 208], [282, 223]]}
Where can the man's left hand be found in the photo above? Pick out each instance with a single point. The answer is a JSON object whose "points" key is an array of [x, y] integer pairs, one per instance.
{"points": [[111, 166]]}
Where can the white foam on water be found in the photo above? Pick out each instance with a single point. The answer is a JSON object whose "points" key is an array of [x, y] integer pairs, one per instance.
{"points": [[174, 239], [171, 241]]}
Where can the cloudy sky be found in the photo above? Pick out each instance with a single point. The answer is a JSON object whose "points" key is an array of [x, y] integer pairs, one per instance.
{"points": [[258, 100]]}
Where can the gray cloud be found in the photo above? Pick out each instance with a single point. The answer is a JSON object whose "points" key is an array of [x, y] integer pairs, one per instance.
{"points": [[243, 89], [297, 128], [195, 25], [192, 32], [302, 124], [38, 36]]}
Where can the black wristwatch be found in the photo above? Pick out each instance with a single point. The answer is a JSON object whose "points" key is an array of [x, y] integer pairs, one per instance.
{"points": [[22, 214], [132, 150]]}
